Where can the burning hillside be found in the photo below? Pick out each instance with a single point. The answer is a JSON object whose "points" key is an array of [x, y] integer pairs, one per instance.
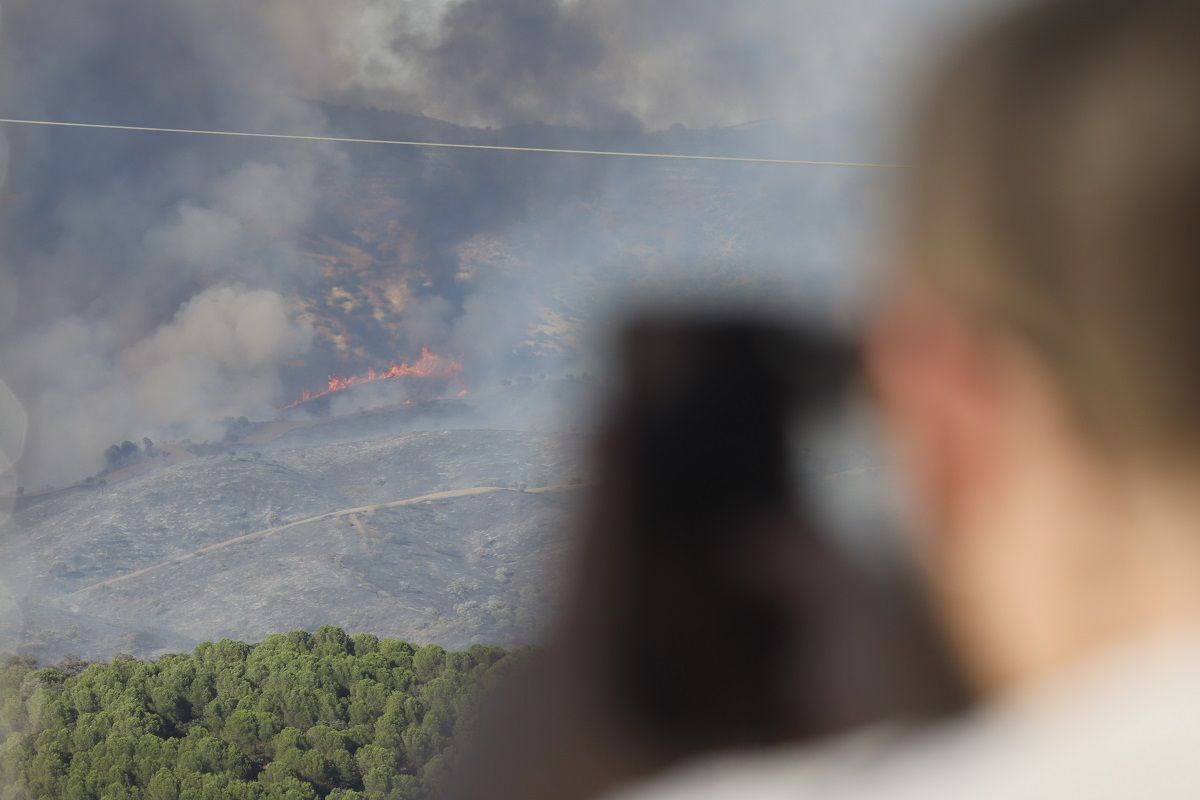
{"points": [[429, 367]]}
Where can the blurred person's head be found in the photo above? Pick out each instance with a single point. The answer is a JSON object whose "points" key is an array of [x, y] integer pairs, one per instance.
{"points": [[1038, 355]]}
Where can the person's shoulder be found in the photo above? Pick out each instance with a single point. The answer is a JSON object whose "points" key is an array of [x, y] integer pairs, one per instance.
{"points": [[1125, 725], [790, 773]]}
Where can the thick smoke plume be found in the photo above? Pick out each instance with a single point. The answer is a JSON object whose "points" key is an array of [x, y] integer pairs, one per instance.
{"points": [[150, 285], [218, 356]]}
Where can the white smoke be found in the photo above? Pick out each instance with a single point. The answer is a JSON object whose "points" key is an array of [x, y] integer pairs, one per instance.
{"points": [[618, 63], [107, 298], [240, 224], [218, 356]]}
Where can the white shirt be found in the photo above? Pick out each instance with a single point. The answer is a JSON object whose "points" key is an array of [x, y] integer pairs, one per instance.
{"points": [[1126, 726]]}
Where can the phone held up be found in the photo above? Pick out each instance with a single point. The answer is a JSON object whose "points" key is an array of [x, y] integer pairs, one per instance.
{"points": [[740, 621]]}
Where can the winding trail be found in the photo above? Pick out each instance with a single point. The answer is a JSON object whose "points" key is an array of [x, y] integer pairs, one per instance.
{"points": [[342, 512]]}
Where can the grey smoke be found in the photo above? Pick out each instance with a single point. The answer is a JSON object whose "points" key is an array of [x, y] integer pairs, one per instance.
{"points": [[146, 282], [624, 63], [153, 284], [217, 357]]}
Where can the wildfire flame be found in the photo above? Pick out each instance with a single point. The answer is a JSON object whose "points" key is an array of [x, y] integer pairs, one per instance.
{"points": [[429, 365]]}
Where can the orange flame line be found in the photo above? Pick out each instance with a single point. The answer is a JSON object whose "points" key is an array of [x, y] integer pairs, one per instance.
{"points": [[428, 365]]}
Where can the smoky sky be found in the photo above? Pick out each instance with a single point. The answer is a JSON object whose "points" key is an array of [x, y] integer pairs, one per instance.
{"points": [[150, 285]]}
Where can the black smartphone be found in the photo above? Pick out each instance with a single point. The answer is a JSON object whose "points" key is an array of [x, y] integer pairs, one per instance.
{"points": [[743, 624]]}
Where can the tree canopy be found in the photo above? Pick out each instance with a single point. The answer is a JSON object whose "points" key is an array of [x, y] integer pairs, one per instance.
{"points": [[297, 716]]}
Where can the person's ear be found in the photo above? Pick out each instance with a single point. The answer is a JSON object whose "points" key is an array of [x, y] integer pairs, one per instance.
{"points": [[938, 389]]}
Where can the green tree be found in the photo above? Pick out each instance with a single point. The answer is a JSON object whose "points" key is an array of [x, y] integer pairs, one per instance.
{"points": [[428, 662], [163, 786], [298, 716]]}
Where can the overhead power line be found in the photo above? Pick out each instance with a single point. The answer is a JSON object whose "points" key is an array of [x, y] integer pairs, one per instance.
{"points": [[793, 162]]}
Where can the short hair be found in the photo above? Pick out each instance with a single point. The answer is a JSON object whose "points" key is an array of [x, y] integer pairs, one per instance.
{"points": [[1056, 195]]}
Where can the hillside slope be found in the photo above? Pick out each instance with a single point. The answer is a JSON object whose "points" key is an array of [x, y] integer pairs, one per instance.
{"points": [[432, 536]]}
